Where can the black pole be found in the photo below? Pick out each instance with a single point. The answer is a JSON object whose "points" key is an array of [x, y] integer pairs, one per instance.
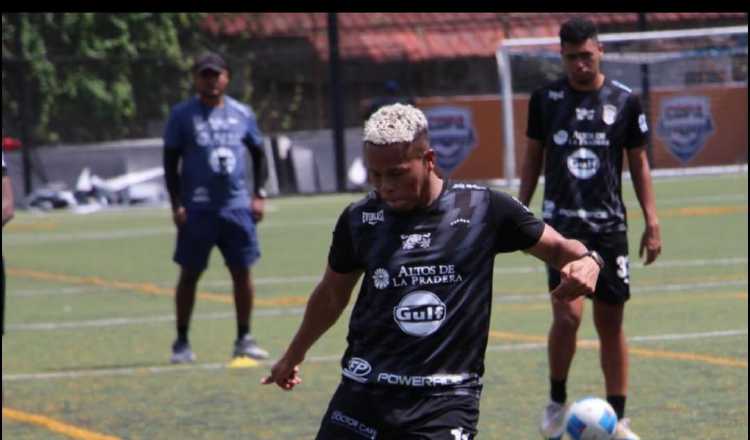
{"points": [[646, 92], [337, 101], [23, 106]]}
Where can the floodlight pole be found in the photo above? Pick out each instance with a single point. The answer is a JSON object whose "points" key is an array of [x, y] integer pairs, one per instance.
{"points": [[336, 102]]}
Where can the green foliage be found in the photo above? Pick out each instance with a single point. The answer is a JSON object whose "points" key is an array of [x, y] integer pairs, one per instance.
{"points": [[94, 76]]}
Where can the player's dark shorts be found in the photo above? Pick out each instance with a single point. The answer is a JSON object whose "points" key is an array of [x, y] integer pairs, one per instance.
{"points": [[231, 230], [613, 286], [359, 412]]}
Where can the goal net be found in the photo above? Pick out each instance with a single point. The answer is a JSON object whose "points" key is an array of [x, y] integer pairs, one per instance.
{"points": [[692, 83]]}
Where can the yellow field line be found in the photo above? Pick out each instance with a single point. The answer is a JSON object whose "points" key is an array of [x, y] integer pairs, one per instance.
{"points": [[695, 211], [54, 425], [146, 288], [673, 355]]}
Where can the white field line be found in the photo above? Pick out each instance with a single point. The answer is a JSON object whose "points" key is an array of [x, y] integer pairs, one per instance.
{"points": [[129, 371], [498, 298], [117, 322], [510, 297], [13, 238], [304, 279]]}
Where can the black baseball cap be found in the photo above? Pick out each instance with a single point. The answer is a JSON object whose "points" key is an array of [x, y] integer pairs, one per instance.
{"points": [[210, 61]]}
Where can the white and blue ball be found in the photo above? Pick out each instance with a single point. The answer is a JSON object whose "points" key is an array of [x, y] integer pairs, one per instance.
{"points": [[590, 418]]}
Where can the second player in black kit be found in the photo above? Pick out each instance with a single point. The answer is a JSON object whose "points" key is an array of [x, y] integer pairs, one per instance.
{"points": [[425, 250], [584, 134], [579, 129]]}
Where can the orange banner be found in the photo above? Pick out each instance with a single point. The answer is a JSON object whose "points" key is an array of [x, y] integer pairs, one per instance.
{"points": [[690, 127]]}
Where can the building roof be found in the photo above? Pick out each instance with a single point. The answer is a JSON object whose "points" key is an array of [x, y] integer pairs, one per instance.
{"points": [[422, 36]]}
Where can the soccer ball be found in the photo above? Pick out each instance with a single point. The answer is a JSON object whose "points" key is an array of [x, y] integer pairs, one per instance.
{"points": [[590, 418]]}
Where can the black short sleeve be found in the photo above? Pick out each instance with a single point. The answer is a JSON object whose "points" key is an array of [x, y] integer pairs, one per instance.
{"points": [[637, 126], [341, 256], [517, 228], [534, 129]]}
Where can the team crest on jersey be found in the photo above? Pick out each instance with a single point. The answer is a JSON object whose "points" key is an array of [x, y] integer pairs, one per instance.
{"points": [[452, 135], [372, 218], [609, 114], [412, 241], [685, 123], [380, 278]]}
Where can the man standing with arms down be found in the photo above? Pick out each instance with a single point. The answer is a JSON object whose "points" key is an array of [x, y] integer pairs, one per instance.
{"points": [[420, 324], [8, 212], [205, 144], [578, 127]]}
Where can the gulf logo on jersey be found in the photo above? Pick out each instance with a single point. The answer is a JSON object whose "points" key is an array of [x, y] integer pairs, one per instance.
{"points": [[420, 313], [685, 123], [452, 135], [583, 163]]}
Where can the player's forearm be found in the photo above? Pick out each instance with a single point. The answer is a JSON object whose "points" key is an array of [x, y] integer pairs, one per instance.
{"points": [[528, 186], [171, 161], [260, 168], [556, 250], [323, 310], [644, 191], [8, 210], [531, 169]]}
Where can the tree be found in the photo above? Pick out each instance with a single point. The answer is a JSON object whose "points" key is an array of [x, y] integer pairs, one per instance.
{"points": [[77, 77]]}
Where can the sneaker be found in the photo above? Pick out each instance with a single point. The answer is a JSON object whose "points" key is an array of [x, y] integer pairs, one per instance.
{"points": [[248, 347], [553, 419], [181, 353], [623, 432]]}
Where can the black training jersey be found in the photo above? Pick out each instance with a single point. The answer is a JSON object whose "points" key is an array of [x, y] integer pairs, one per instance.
{"points": [[583, 135], [422, 316]]}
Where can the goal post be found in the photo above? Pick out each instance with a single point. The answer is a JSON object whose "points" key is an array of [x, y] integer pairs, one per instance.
{"points": [[676, 62]]}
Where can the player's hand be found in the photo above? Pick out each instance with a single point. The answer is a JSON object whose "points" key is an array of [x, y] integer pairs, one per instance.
{"points": [[577, 278], [257, 208], [651, 242], [285, 374], [179, 216]]}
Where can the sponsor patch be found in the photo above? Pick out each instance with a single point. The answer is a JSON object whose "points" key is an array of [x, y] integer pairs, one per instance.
{"points": [[222, 161], [357, 369], [583, 163], [585, 114], [420, 313], [411, 241], [561, 137], [556, 95], [372, 218], [353, 424], [200, 195], [380, 278]]}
